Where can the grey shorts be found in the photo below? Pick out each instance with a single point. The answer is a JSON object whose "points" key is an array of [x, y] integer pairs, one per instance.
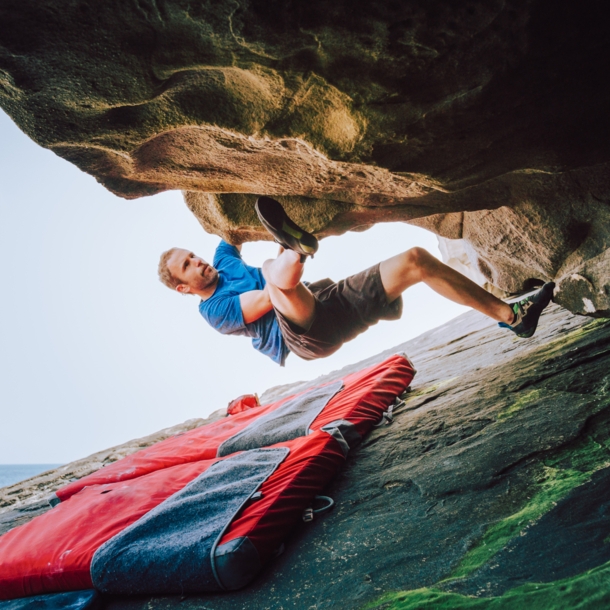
{"points": [[344, 309]]}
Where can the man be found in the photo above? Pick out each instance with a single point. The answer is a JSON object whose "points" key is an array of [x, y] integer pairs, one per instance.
{"points": [[282, 314]]}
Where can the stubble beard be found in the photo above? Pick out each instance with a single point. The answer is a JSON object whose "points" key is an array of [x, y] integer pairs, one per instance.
{"points": [[208, 278]]}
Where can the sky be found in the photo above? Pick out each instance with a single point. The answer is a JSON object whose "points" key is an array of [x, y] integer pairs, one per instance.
{"points": [[95, 351]]}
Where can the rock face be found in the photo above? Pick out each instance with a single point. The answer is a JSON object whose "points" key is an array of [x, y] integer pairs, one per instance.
{"points": [[487, 121], [494, 475]]}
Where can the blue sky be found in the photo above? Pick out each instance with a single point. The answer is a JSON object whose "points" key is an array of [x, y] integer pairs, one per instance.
{"points": [[96, 351]]}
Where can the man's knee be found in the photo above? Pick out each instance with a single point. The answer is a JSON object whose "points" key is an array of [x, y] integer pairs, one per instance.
{"points": [[404, 270], [418, 259], [285, 271]]}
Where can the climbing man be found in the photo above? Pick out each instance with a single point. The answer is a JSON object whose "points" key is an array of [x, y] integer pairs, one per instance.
{"points": [[282, 314]]}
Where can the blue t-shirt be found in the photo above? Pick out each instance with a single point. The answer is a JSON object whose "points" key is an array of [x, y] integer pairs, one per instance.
{"points": [[223, 310]]}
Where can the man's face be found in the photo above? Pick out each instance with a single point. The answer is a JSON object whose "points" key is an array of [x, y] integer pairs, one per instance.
{"points": [[193, 272]]}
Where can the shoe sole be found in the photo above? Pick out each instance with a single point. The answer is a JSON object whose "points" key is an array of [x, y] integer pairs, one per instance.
{"points": [[532, 330], [286, 232]]}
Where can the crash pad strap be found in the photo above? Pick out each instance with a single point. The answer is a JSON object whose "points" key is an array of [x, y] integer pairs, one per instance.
{"points": [[287, 422], [169, 550]]}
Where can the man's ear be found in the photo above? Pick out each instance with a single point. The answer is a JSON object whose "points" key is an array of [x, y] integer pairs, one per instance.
{"points": [[183, 288]]}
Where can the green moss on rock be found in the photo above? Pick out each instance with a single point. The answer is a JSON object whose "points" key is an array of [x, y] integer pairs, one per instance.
{"points": [[561, 473], [587, 591], [522, 402]]}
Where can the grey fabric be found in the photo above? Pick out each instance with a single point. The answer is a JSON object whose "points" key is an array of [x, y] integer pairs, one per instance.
{"points": [[404, 355], [344, 432], [72, 600], [291, 420], [237, 563], [170, 549], [53, 500]]}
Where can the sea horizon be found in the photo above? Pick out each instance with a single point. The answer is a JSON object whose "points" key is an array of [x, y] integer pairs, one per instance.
{"points": [[14, 473]]}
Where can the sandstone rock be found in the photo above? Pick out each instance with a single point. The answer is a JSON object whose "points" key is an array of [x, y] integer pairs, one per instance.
{"points": [[533, 241], [493, 113], [493, 474]]}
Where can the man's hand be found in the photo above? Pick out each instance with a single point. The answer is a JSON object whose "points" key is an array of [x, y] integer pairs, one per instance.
{"points": [[254, 304]]}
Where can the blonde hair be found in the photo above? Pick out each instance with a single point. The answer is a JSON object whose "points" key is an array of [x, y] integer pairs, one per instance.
{"points": [[165, 275]]}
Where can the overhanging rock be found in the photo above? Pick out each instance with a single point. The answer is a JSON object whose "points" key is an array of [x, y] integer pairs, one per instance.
{"points": [[357, 114]]}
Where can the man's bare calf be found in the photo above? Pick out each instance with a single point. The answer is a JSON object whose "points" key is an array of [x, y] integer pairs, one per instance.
{"points": [[418, 265]]}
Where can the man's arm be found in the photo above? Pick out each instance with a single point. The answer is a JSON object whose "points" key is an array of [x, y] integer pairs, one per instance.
{"points": [[254, 304]]}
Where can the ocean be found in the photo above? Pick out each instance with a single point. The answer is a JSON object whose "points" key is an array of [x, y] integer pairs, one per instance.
{"points": [[13, 473]]}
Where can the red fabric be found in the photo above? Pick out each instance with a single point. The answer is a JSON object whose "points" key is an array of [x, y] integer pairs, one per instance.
{"points": [[243, 403], [314, 459], [365, 396], [53, 552], [368, 394], [312, 463], [198, 444]]}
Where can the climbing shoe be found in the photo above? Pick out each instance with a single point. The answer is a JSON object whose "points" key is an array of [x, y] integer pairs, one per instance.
{"points": [[285, 232], [527, 311]]}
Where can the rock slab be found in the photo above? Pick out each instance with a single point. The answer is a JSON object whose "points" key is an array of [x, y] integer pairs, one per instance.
{"points": [[501, 443]]}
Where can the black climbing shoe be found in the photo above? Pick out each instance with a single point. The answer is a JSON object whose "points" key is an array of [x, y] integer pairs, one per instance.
{"points": [[527, 311], [286, 233]]}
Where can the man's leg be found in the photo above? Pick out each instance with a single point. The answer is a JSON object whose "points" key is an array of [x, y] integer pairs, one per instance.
{"points": [[288, 295], [417, 265]]}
